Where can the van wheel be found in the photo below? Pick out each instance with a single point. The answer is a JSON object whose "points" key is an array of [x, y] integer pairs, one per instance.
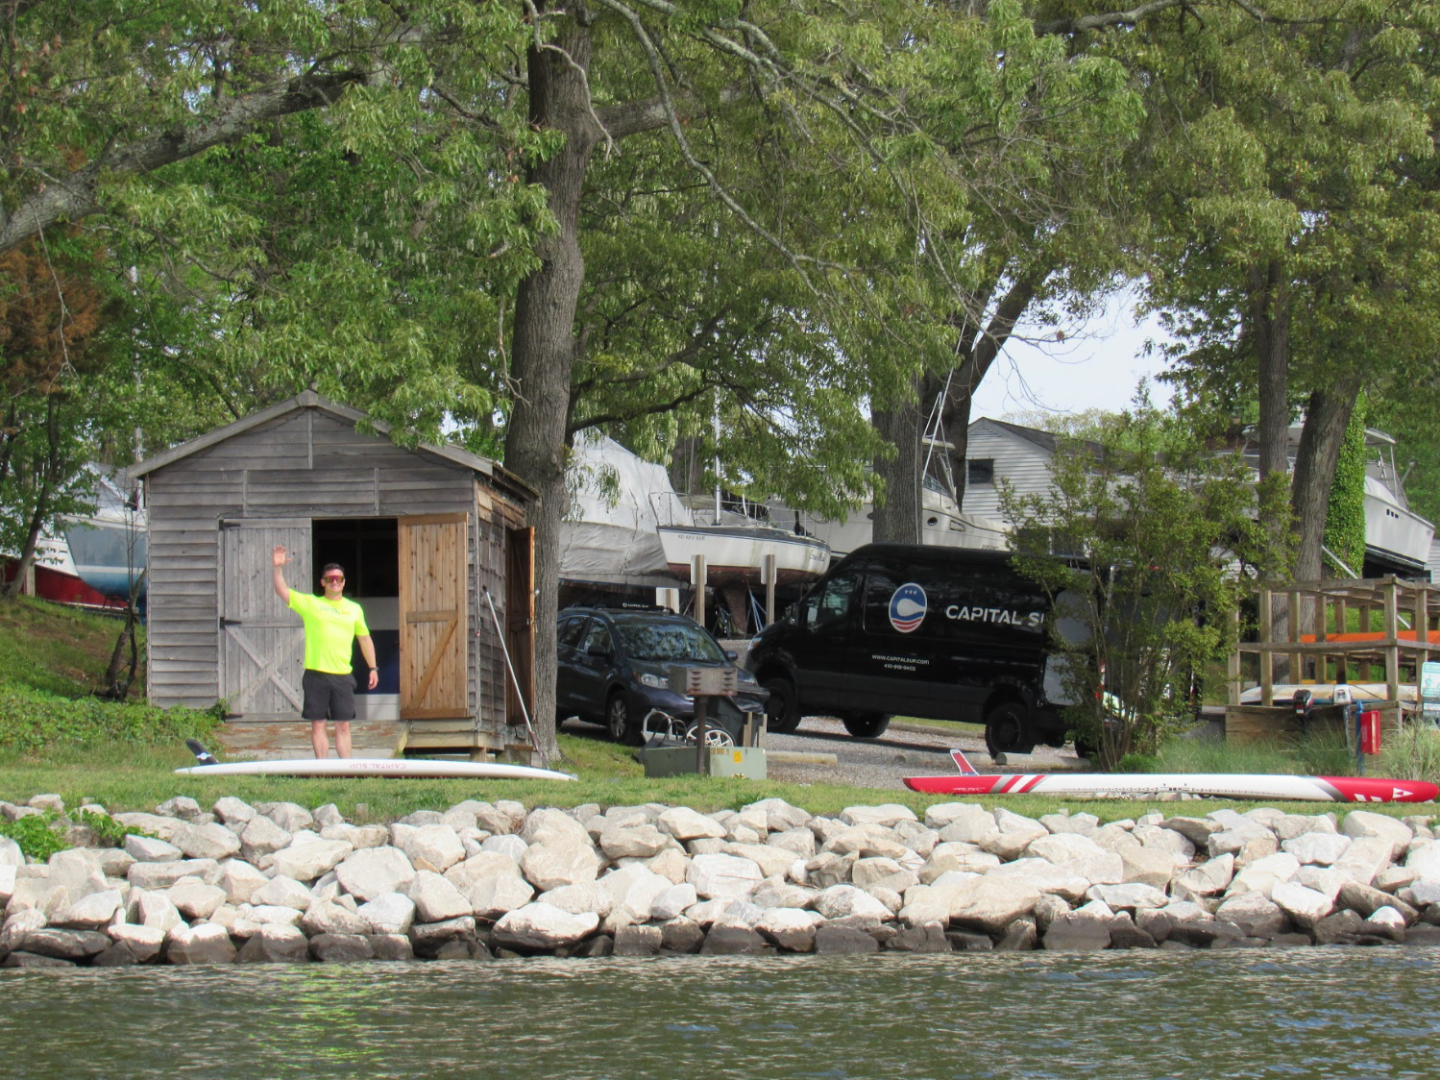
{"points": [[782, 711], [866, 725], [1007, 729]]}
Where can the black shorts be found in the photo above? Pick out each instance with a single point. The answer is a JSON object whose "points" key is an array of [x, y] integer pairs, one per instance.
{"points": [[327, 696]]}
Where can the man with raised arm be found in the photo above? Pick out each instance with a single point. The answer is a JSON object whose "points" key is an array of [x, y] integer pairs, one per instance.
{"points": [[331, 624]]}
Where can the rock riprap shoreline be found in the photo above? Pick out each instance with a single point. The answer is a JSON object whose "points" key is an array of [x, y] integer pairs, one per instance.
{"points": [[276, 882]]}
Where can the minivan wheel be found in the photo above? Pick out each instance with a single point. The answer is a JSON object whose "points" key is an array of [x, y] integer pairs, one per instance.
{"points": [[617, 719], [1007, 729], [866, 725], [782, 711]]}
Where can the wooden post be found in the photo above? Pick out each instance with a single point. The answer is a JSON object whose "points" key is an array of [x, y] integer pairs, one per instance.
{"points": [[1322, 664], [1342, 626], [1365, 623], [1232, 664], [698, 578], [1292, 628], [767, 575], [1392, 647], [1267, 658]]}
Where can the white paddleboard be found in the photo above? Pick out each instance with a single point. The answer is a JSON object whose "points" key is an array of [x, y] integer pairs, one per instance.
{"points": [[402, 768]]}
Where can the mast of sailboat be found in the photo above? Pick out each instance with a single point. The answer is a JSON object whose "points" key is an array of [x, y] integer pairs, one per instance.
{"points": [[934, 437]]}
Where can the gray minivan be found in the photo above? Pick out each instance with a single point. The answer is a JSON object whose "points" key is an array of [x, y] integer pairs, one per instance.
{"points": [[941, 633]]}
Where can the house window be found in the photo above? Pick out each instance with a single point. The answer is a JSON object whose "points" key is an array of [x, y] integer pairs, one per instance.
{"points": [[980, 471]]}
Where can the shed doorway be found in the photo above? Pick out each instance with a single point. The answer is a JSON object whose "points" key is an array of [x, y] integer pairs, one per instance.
{"points": [[369, 552]]}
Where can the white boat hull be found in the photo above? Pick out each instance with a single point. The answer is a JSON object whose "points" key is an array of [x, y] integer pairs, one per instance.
{"points": [[1394, 530], [734, 555]]}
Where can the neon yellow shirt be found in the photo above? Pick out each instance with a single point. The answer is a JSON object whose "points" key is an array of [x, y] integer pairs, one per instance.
{"points": [[330, 628]]}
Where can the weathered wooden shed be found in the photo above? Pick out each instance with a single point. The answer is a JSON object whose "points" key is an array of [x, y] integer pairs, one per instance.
{"points": [[428, 538]]}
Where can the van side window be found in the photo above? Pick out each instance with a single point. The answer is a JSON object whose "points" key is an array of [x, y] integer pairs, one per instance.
{"points": [[831, 605], [570, 629]]}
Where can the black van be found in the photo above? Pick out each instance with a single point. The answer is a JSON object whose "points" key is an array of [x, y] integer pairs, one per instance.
{"points": [[943, 633]]}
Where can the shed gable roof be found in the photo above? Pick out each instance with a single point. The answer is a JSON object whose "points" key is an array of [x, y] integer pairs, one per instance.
{"points": [[308, 399]]}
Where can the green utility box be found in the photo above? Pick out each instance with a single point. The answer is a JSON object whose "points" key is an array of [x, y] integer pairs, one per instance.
{"points": [[747, 762], [663, 761]]}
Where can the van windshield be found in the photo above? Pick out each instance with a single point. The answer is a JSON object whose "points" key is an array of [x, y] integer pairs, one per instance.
{"points": [[669, 641]]}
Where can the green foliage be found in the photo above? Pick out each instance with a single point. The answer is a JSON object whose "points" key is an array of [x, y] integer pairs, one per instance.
{"points": [[1138, 763], [31, 721], [109, 832], [1345, 517], [1146, 548], [36, 834], [54, 649]]}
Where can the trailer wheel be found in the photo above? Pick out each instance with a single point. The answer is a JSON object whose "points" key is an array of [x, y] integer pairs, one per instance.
{"points": [[782, 711], [866, 725], [1007, 729]]}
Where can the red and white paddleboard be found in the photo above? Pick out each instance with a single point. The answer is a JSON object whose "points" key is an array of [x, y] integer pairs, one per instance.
{"points": [[1248, 786]]}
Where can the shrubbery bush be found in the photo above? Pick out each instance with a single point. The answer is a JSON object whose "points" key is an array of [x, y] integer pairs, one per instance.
{"points": [[31, 720]]}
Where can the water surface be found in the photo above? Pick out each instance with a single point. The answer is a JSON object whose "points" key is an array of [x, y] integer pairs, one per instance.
{"points": [[1306, 1013]]}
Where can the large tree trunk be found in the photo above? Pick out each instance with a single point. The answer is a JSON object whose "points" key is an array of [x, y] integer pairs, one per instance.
{"points": [[897, 511], [1326, 419], [544, 345], [1268, 320]]}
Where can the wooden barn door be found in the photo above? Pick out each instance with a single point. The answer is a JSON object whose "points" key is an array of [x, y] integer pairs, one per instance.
{"points": [[262, 642], [520, 621], [434, 623]]}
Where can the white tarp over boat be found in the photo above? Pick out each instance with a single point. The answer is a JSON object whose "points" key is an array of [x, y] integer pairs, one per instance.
{"points": [[609, 533]]}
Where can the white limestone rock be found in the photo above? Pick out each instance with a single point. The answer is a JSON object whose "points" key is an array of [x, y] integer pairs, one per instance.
{"points": [[1255, 913], [546, 825], [880, 873], [508, 844], [154, 824], [1305, 906], [148, 849], [435, 898], [270, 915], [206, 842], [389, 913], [642, 841], [1291, 826], [1365, 857], [789, 929], [591, 896], [17, 926], [1079, 855], [152, 909], [1424, 862], [261, 837], [206, 943], [144, 942], [91, 912], [1131, 896], [991, 903], [8, 873], [540, 928], [195, 900], [329, 918], [283, 891], [560, 859], [635, 889], [240, 881], [292, 817], [685, 824], [800, 842], [485, 864], [357, 836], [1044, 877], [1316, 848], [433, 847], [772, 861], [723, 877], [373, 871], [308, 861], [1210, 878], [849, 902], [887, 815], [233, 811], [495, 895], [673, 902], [1264, 874], [780, 815], [1365, 823]]}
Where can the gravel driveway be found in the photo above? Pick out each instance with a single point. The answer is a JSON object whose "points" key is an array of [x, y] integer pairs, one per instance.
{"points": [[904, 750]]}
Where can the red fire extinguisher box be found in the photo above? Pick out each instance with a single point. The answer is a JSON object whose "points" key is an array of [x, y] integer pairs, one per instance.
{"points": [[1370, 731]]}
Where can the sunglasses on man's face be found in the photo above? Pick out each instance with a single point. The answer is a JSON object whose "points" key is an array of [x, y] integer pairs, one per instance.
{"points": [[333, 579]]}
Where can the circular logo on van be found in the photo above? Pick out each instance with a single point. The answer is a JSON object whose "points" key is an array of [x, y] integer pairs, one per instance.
{"points": [[907, 607]]}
